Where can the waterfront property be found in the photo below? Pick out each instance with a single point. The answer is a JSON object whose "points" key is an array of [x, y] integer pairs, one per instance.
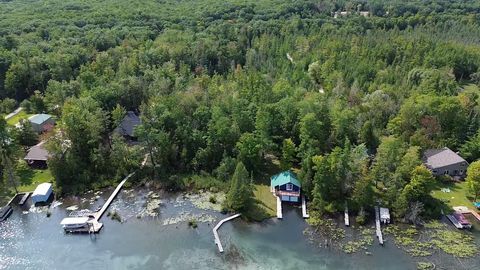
{"points": [[286, 186], [445, 162], [42, 122], [126, 128], [42, 193], [5, 212], [37, 156]]}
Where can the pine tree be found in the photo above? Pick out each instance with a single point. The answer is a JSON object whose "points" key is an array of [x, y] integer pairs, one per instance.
{"points": [[240, 194]]}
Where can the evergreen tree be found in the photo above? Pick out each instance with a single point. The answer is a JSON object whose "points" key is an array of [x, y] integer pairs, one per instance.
{"points": [[240, 193]]}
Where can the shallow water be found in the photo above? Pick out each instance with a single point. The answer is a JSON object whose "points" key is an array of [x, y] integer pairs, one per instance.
{"points": [[34, 241]]}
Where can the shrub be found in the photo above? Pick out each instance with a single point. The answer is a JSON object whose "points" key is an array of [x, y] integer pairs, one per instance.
{"points": [[212, 199], [192, 223]]}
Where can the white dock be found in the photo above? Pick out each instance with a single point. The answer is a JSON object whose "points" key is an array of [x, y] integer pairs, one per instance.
{"points": [[347, 218], [215, 233], [104, 208], [279, 208], [378, 226], [304, 208]]}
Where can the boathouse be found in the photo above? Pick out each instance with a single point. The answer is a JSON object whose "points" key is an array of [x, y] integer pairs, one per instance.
{"points": [[286, 186], [42, 193]]}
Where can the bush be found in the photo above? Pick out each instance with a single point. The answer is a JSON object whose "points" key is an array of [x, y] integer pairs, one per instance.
{"points": [[212, 199], [26, 105], [7, 105]]}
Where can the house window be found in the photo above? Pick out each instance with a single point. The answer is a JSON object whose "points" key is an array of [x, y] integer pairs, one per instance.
{"points": [[445, 172], [289, 187], [434, 171], [461, 171]]}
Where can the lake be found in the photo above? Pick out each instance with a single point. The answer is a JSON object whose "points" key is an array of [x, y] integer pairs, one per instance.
{"points": [[31, 240]]}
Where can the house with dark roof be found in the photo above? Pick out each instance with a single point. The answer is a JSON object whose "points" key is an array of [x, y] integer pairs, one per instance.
{"points": [[37, 156], [286, 186], [445, 162], [127, 126], [41, 122]]}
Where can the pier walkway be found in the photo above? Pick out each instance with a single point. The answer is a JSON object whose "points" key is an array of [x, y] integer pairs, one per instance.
{"points": [[215, 233], [347, 218], [24, 198], [304, 208], [104, 208], [279, 207], [378, 226]]}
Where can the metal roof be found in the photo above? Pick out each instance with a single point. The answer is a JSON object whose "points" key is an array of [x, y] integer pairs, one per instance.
{"points": [[437, 158], [284, 178], [42, 189], [39, 118]]}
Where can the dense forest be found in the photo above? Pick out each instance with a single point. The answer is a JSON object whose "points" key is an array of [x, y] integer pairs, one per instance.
{"points": [[350, 102]]}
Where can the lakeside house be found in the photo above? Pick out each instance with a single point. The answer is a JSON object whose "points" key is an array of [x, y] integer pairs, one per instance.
{"points": [[445, 162], [42, 193], [37, 156], [126, 128], [42, 122], [286, 186]]}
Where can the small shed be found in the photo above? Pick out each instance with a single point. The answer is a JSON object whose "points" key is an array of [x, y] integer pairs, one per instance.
{"points": [[41, 122], [384, 215], [42, 193], [37, 156], [126, 128], [286, 186]]}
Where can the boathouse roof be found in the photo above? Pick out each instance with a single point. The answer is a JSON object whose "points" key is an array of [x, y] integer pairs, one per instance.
{"points": [[284, 178]]}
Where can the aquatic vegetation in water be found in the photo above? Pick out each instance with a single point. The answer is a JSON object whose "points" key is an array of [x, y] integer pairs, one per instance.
{"points": [[362, 243], [72, 208], [425, 266], [204, 200], [186, 216], [192, 223], [115, 216], [435, 236]]}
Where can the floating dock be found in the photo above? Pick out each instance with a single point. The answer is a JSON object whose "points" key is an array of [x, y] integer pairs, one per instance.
{"points": [[304, 207], [346, 217], [279, 208], [378, 226], [215, 233], [24, 198]]}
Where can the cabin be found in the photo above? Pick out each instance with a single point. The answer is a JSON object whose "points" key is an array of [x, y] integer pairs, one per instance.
{"points": [[42, 122], [37, 156], [42, 193], [445, 162], [126, 128], [286, 186], [384, 215], [5, 212]]}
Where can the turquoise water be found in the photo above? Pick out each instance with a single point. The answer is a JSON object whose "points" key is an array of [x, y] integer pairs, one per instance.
{"points": [[34, 241]]}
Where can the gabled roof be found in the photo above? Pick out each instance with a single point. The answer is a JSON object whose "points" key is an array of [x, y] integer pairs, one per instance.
{"points": [[37, 152], [39, 118], [42, 189], [128, 124], [284, 178], [437, 158]]}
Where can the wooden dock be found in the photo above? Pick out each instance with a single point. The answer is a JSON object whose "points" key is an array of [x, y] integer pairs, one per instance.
{"points": [[346, 217], [304, 208], [279, 208], [378, 225], [104, 208], [24, 198], [215, 229]]}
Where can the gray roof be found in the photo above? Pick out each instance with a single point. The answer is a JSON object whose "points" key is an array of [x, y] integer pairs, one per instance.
{"points": [[37, 152], [128, 124], [438, 158]]}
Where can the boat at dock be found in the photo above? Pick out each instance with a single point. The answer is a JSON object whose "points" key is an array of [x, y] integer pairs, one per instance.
{"points": [[5, 212], [462, 220], [80, 225]]}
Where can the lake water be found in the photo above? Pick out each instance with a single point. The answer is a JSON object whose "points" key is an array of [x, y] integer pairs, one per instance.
{"points": [[34, 241]]}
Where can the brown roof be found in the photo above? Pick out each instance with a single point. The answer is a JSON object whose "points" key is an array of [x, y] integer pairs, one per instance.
{"points": [[37, 152]]}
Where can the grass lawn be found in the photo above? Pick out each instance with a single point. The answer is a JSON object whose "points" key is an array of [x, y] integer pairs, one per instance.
{"points": [[265, 200], [15, 119], [30, 180], [458, 195]]}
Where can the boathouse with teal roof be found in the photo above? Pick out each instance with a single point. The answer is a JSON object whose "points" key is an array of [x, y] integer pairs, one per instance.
{"points": [[286, 186]]}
